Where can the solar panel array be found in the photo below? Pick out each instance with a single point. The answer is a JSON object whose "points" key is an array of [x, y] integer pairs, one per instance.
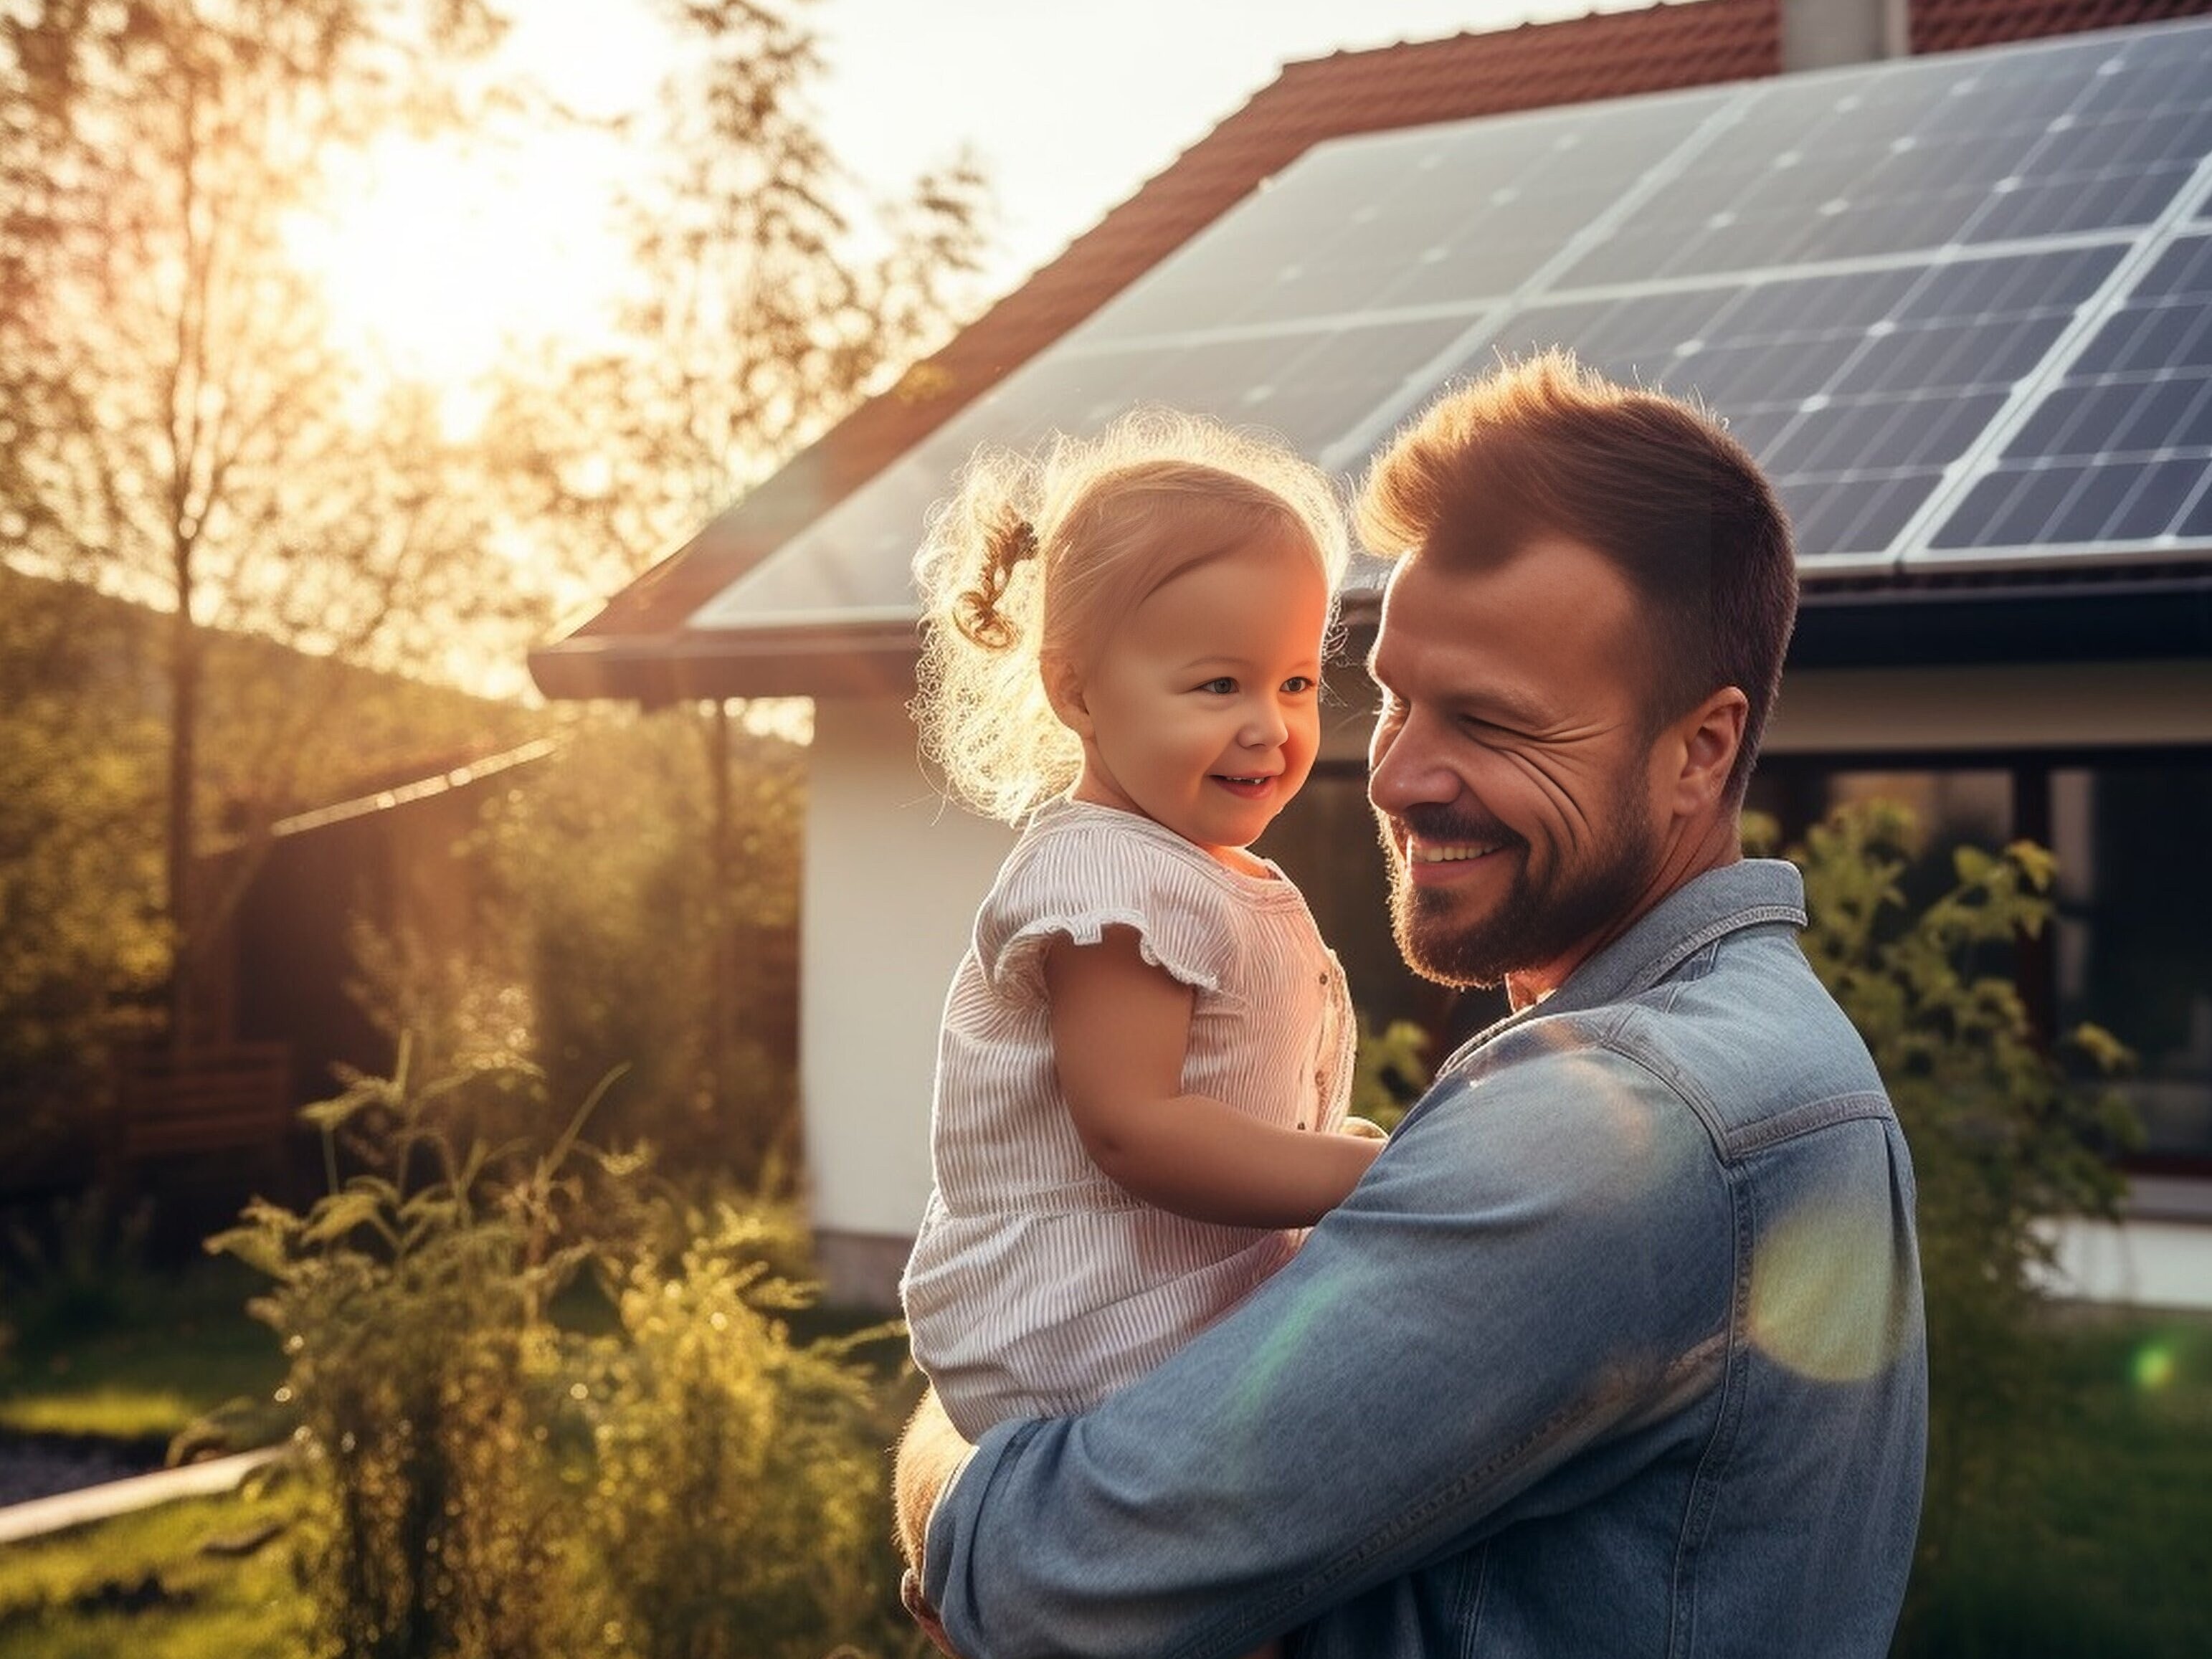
{"points": [[1961, 306]]}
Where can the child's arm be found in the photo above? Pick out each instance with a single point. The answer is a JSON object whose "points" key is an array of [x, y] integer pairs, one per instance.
{"points": [[1119, 1030]]}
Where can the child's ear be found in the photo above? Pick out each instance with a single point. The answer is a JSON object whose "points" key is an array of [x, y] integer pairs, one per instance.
{"points": [[1063, 689]]}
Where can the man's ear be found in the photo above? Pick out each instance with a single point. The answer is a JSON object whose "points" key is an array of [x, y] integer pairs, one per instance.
{"points": [[1063, 689], [1702, 748]]}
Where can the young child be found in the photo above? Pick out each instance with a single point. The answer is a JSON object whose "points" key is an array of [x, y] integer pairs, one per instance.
{"points": [[1147, 1049]]}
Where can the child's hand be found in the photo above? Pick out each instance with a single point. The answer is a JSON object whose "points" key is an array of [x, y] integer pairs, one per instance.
{"points": [[1365, 1129]]}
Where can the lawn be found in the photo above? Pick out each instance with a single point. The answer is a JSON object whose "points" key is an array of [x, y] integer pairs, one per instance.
{"points": [[2100, 1547], [2104, 1546], [142, 1361], [148, 1585]]}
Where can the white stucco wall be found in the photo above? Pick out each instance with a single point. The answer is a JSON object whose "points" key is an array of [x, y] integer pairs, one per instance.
{"points": [[893, 875]]}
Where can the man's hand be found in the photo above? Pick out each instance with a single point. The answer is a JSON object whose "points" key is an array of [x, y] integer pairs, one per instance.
{"points": [[929, 1454]]}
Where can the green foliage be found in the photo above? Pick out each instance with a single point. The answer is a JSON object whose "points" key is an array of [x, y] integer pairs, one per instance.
{"points": [[485, 1478], [643, 943], [81, 943], [181, 426], [1390, 1070], [732, 1485], [410, 1302], [2003, 1142], [79, 1268], [765, 308]]}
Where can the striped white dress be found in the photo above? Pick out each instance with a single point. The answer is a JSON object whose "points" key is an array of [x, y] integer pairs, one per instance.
{"points": [[1037, 1285]]}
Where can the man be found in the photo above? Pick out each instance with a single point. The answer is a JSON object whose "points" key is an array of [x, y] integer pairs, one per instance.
{"points": [[1618, 1347]]}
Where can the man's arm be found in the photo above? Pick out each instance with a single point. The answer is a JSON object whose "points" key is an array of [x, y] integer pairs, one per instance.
{"points": [[1524, 1268]]}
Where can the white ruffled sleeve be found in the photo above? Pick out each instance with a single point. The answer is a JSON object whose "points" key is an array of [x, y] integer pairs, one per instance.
{"points": [[1075, 881]]}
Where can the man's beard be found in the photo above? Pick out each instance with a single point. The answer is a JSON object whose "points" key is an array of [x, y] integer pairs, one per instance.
{"points": [[1532, 924]]}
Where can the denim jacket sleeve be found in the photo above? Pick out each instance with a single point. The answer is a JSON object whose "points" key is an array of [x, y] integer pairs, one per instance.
{"points": [[1541, 1262]]}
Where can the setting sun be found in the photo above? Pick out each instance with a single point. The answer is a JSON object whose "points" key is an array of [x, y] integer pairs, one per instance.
{"points": [[436, 257]]}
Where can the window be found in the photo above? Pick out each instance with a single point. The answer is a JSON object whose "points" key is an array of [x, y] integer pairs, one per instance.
{"points": [[2132, 946]]}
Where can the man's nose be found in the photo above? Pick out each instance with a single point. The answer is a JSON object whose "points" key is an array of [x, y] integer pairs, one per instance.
{"points": [[1404, 769]]}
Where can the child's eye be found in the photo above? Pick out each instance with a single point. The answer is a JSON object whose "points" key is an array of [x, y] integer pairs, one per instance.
{"points": [[1298, 684], [1224, 686]]}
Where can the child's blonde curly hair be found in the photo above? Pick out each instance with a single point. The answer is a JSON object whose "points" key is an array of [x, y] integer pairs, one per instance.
{"points": [[1036, 556]]}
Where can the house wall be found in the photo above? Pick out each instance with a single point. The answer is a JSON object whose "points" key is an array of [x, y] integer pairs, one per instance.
{"points": [[893, 876]]}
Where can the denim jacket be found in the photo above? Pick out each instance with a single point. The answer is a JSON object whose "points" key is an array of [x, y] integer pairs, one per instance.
{"points": [[1617, 1350]]}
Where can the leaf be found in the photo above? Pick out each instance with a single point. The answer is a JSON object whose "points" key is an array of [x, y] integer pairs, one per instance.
{"points": [[1972, 864], [257, 1246], [335, 1218]]}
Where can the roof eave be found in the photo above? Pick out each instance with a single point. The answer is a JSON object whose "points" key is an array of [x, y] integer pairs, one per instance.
{"points": [[2113, 617], [703, 666]]}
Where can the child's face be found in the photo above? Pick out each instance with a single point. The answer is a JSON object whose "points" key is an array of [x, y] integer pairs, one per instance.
{"points": [[1201, 710]]}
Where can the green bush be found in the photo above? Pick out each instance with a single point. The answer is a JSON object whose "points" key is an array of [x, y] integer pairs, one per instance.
{"points": [[412, 1311], [731, 1486], [489, 1475], [658, 944], [1390, 1070]]}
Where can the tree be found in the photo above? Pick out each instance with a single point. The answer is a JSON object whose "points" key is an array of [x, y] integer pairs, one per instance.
{"points": [[763, 310], [178, 426]]}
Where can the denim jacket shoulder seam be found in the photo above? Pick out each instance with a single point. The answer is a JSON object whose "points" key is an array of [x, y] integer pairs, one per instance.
{"points": [[1735, 921], [1810, 1118]]}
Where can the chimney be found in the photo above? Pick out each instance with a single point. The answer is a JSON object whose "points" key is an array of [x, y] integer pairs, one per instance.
{"points": [[1823, 34]]}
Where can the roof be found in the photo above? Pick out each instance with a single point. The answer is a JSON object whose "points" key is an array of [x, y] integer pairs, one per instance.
{"points": [[639, 646]]}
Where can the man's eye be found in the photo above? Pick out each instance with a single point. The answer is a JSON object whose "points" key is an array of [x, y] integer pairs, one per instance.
{"points": [[1223, 687]]}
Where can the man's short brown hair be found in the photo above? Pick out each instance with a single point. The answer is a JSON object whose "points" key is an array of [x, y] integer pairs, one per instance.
{"points": [[1548, 447]]}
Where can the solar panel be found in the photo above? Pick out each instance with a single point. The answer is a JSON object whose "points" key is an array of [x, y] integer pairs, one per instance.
{"points": [[1959, 306], [2116, 458]]}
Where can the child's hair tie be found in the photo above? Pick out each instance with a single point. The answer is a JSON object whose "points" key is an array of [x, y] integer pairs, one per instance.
{"points": [[1013, 542]]}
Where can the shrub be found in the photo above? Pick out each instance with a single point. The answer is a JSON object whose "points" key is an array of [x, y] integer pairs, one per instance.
{"points": [[486, 1480], [1390, 1070], [413, 1313], [733, 1485]]}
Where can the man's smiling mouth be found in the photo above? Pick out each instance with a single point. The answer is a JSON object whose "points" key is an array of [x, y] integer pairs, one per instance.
{"points": [[1448, 851]]}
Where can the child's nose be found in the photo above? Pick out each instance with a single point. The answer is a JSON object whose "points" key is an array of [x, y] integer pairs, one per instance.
{"points": [[1265, 727]]}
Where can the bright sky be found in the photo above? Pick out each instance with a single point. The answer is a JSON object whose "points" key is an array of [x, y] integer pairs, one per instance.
{"points": [[1070, 104]]}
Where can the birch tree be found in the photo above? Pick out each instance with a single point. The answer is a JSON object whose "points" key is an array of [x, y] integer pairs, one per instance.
{"points": [[176, 425]]}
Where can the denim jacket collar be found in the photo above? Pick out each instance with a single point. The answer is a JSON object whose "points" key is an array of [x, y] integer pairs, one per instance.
{"points": [[1745, 894]]}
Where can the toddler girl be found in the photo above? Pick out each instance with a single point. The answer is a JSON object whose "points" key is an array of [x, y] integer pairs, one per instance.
{"points": [[1146, 1050]]}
